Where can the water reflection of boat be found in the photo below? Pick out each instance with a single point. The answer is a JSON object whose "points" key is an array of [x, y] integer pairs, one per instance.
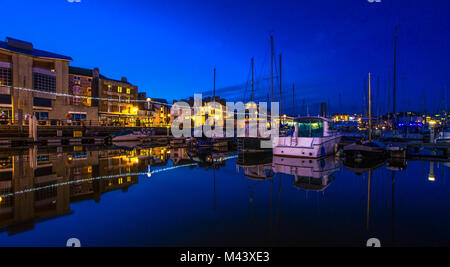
{"points": [[128, 135], [256, 166], [310, 174], [364, 165], [367, 150], [128, 145], [396, 164]]}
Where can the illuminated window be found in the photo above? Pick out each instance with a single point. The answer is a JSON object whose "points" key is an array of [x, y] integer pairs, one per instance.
{"points": [[120, 181], [119, 89], [128, 91], [109, 87]]}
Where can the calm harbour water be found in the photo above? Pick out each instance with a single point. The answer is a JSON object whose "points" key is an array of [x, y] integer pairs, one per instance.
{"points": [[111, 197]]}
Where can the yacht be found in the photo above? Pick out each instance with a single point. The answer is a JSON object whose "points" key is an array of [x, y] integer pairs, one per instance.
{"points": [[444, 136], [313, 137]]}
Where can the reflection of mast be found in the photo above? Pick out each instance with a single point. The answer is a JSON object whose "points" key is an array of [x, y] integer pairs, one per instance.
{"points": [[271, 198], [251, 204], [279, 204], [393, 208], [368, 201], [214, 174]]}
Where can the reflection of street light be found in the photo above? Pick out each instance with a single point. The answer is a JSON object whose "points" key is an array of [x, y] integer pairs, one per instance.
{"points": [[431, 176], [149, 172]]}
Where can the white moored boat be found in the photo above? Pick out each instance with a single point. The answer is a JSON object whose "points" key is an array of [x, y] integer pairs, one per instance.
{"points": [[128, 135], [313, 137]]}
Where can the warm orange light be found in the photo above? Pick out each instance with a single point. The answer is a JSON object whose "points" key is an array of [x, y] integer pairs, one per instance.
{"points": [[431, 178]]}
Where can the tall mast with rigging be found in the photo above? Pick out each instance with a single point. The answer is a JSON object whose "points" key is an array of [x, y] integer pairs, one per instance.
{"points": [[395, 75], [281, 110], [271, 68], [253, 82]]}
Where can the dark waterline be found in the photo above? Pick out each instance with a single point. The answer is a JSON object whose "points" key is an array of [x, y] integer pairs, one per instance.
{"points": [[117, 204]]}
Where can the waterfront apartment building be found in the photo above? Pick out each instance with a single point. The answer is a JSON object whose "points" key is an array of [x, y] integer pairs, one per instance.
{"points": [[117, 105], [83, 88], [34, 82]]}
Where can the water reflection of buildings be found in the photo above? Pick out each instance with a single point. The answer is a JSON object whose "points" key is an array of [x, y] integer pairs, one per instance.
{"points": [[209, 158], [179, 156], [42, 171]]}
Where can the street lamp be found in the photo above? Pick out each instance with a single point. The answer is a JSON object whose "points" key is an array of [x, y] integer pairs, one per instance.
{"points": [[148, 102]]}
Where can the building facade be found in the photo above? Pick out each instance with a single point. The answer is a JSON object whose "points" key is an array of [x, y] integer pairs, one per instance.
{"points": [[83, 87], [117, 105], [36, 82]]}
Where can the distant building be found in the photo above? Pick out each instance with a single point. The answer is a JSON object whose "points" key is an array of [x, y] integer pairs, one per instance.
{"points": [[161, 112], [145, 110], [156, 110]]}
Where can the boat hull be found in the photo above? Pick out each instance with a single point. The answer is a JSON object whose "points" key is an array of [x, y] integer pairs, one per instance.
{"points": [[316, 147]]}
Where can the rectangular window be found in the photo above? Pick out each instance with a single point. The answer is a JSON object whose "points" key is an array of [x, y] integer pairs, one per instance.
{"points": [[78, 117], [109, 87], [5, 99], [41, 115], [119, 89], [76, 101], [5, 76], [313, 128], [128, 91], [43, 82], [42, 102]]}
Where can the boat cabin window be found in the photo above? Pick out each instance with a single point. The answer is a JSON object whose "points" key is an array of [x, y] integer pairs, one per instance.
{"points": [[311, 128]]}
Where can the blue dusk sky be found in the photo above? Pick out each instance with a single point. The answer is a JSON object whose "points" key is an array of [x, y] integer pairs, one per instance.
{"points": [[169, 48]]}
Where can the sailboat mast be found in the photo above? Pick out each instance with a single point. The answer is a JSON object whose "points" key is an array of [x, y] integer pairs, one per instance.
{"points": [[293, 100], [370, 112], [271, 68], [214, 90], [281, 110], [253, 82], [395, 74]]}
